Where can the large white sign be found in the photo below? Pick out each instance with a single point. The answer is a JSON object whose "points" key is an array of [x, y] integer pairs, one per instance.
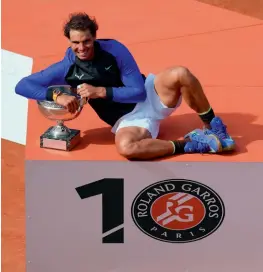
{"points": [[143, 216]]}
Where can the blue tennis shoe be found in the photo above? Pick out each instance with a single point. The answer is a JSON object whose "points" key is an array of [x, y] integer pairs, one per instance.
{"points": [[217, 130], [202, 143]]}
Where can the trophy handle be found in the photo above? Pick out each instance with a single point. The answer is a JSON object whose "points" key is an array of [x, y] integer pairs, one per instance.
{"points": [[82, 102]]}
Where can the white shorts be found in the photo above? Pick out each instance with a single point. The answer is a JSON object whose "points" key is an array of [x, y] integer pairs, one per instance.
{"points": [[147, 114]]}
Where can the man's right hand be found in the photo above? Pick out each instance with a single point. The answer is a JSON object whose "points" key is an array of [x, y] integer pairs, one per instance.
{"points": [[69, 102]]}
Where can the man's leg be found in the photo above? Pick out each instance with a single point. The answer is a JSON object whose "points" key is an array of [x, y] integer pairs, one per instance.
{"points": [[172, 83], [137, 143], [180, 80]]}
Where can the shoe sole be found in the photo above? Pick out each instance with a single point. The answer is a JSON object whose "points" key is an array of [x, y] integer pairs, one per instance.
{"points": [[220, 148], [229, 148]]}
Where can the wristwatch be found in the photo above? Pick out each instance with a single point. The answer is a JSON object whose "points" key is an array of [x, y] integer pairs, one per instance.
{"points": [[56, 93]]}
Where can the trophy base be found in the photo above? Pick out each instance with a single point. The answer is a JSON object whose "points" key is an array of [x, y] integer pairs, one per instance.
{"points": [[65, 143]]}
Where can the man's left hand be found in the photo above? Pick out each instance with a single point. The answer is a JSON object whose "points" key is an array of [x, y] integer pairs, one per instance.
{"points": [[88, 91]]}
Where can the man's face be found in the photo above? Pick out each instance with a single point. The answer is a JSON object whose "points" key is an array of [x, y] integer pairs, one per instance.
{"points": [[82, 44]]}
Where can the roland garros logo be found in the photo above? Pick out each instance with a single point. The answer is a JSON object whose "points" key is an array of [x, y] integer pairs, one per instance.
{"points": [[178, 211]]}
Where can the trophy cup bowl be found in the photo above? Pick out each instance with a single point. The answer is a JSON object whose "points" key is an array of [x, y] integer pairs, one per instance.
{"points": [[60, 136]]}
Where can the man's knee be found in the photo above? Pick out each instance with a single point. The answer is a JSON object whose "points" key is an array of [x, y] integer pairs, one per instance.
{"points": [[127, 149], [182, 75], [127, 141], [173, 79], [169, 83]]}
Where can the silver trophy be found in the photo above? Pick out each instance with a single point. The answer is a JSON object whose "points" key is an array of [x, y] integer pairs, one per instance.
{"points": [[60, 136]]}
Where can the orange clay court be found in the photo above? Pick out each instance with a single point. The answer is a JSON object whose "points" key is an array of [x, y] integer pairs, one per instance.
{"points": [[220, 43]]}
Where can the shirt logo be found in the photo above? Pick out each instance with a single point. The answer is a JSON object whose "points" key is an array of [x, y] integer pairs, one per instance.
{"points": [[108, 68], [79, 77]]}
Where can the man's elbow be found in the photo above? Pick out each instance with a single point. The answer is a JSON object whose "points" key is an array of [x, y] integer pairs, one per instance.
{"points": [[142, 95], [21, 87]]}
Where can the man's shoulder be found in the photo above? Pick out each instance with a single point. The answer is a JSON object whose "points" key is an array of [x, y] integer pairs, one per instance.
{"points": [[69, 56], [113, 46]]}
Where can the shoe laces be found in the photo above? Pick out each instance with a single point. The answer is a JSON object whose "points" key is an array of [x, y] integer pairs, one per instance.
{"points": [[200, 146]]}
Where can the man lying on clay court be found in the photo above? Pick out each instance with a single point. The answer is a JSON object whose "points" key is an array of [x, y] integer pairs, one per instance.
{"points": [[131, 103]]}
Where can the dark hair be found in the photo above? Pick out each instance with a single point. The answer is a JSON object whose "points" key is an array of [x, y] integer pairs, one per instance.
{"points": [[80, 21]]}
